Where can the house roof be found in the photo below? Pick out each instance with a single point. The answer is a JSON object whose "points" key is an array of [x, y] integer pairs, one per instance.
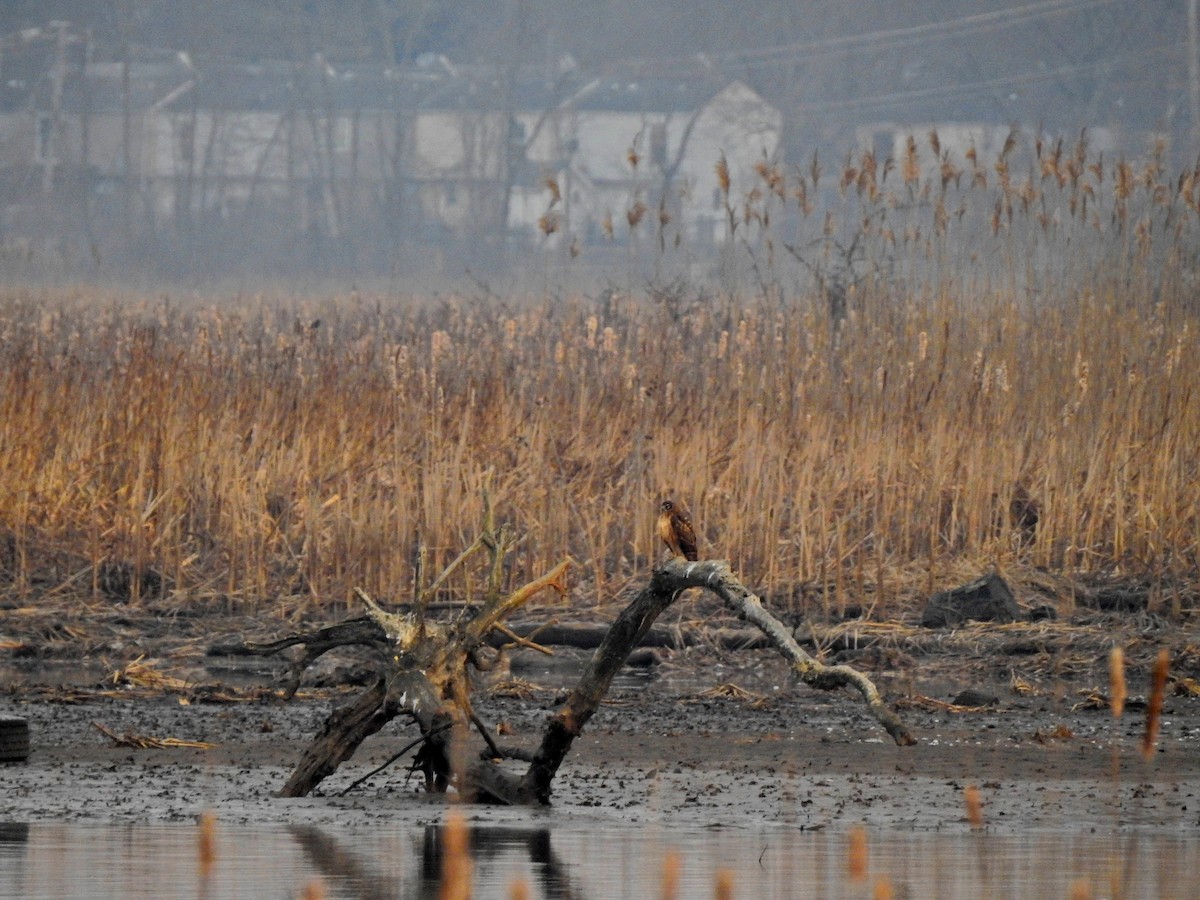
{"points": [[173, 81], [616, 94]]}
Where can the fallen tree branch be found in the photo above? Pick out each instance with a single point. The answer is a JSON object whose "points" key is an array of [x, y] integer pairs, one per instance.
{"points": [[665, 586], [145, 742], [716, 577]]}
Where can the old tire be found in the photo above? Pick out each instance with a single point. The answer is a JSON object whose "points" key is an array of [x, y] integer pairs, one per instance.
{"points": [[14, 739]]}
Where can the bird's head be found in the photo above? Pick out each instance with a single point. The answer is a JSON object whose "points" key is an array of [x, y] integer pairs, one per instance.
{"points": [[667, 506]]}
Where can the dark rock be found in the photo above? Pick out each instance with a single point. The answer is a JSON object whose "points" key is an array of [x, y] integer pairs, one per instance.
{"points": [[974, 698], [643, 658], [987, 599]]}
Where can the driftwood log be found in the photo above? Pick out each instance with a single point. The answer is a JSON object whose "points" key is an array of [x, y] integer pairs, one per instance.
{"points": [[424, 676]]}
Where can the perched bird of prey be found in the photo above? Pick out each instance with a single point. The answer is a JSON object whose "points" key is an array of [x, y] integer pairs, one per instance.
{"points": [[675, 528]]}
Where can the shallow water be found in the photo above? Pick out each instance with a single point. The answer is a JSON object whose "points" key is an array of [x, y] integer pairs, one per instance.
{"points": [[568, 856]]}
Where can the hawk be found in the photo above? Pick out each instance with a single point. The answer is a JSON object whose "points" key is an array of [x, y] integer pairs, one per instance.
{"points": [[675, 528]]}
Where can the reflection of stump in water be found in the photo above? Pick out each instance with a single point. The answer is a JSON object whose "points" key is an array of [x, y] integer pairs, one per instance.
{"points": [[424, 675], [346, 866], [491, 842]]}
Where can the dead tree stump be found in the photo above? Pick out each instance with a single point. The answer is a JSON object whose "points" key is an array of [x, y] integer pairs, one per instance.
{"points": [[424, 676]]}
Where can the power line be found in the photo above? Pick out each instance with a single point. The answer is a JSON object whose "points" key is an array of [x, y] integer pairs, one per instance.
{"points": [[1166, 52], [875, 40]]}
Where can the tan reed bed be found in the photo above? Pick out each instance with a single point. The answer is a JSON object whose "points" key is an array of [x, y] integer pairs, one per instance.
{"points": [[281, 451]]}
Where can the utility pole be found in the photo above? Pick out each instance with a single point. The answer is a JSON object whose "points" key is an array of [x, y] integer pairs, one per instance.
{"points": [[1194, 75], [57, 79]]}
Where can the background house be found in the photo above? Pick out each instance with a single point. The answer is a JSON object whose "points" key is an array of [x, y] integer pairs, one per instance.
{"points": [[357, 164], [253, 151]]}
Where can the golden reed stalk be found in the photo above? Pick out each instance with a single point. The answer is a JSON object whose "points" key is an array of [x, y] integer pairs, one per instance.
{"points": [[974, 804], [207, 842], [456, 859], [1158, 691], [857, 857]]}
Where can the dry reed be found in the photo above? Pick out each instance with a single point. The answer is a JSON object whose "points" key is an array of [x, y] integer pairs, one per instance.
{"points": [[974, 804], [672, 867], [206, 848], [456, 859], [1117, 692], [1022, 398], [1154, 706], [723, 884], [857, 861]]}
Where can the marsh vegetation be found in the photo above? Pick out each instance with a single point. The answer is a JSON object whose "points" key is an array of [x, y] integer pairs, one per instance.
{"points": [[901, 372]]}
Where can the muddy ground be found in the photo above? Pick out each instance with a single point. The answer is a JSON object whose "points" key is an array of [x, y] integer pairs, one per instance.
{"points": [[674, 742]]}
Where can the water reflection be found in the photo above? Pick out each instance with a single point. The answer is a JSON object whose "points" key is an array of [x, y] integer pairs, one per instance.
{"points": [[572, 855], [360, 877]]}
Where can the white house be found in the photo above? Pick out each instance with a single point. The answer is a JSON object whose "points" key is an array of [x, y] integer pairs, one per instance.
{"points": [[619, 144], [396, 154]]}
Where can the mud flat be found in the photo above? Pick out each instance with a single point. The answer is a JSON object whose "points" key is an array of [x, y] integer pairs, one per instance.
{"points": [[706, 737]]}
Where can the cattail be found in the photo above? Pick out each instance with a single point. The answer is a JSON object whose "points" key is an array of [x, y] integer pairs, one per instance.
{"points": [[949, 172], [801, 195], [849, 175], [1116, 681], [314, 889], [912, 163], [548, 224], [722, 170], [671, 868], [207, 848], [724, 885], [633, 158], [974, 806], [634, 214], [868, 182], [1122, 180], [856, 855], [882, 889], [518, 889], [1158, 690], [552, 186], [1009, 143], [456, 859]]}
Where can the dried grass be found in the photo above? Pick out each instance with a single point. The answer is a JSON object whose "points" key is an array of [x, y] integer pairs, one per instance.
{"points": [[145, 742], [1021, 398]]}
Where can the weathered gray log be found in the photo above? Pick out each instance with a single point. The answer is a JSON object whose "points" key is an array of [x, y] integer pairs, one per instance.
{"points": [[590, 635], [666, 584]]}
